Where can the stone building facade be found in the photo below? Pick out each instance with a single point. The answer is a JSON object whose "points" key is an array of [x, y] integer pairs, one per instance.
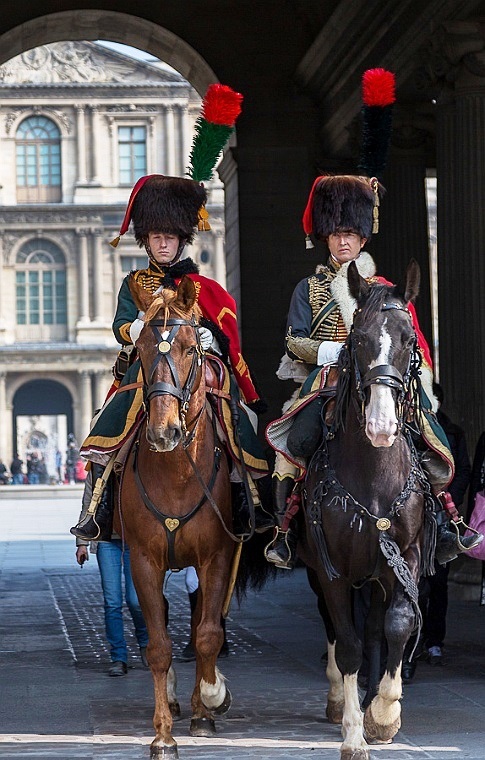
{"points": [[79, 124]]}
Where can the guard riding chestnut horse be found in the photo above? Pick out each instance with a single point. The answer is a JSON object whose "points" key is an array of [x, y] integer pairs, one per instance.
{"points": [[176, 505], [366, 503]]}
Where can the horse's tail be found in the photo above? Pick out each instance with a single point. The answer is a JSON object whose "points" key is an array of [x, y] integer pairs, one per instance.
{"points": [[254, 569]]}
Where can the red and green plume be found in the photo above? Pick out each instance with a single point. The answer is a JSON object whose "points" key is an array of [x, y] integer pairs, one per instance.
{"points": [[220, 108], [378, 97]]}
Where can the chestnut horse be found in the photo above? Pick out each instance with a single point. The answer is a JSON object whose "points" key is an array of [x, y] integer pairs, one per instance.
{"points": [[365, 508], [175, 504]]}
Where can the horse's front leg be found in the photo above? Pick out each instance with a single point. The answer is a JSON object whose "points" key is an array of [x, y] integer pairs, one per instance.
{"points": [[211, 695], [149, 582], [373, 639], [382, 718], [348, 657]]}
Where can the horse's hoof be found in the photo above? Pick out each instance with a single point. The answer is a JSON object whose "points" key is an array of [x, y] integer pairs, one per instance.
{"points": [[225, 705], [374, 732], [202, 727], [335, 712], [175, 712], [354, 754], [164, 752]]}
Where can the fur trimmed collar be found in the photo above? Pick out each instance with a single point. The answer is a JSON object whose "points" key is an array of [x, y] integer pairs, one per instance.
{"points": [[340, 289], [172, 272]]}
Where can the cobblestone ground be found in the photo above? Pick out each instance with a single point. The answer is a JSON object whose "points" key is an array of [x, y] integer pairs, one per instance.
{"points": [[57, 703]]}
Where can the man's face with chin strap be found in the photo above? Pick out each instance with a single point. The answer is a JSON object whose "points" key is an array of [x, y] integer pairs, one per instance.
{"points": [[164, 247]]}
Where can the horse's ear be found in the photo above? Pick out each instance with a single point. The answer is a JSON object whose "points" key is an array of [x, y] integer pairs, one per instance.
{"points": [[358, 287], [186, 294], [142, 298], [410, 289]]}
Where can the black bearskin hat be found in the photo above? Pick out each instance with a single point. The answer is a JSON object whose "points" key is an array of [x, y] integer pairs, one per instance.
{"points": [[167, 204], [342, 202], [173, 205]]}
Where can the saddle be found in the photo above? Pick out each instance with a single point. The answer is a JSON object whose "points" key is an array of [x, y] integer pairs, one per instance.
{"points": [[216, 377]]}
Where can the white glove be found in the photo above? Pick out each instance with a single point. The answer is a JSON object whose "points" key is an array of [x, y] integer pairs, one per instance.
{"points": [[328, 352], [206, 338], [135, 329]]}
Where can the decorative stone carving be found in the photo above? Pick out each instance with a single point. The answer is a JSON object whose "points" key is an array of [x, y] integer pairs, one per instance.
{"points": [[453, 45], [132, 108], [12, 116], [80, 62]]}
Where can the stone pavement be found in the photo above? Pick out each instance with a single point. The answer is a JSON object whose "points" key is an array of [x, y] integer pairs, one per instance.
{"points": [[56, 701]]}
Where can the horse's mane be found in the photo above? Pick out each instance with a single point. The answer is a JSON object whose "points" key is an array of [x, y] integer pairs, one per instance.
{"points": [[374, 300], [167, 301]]}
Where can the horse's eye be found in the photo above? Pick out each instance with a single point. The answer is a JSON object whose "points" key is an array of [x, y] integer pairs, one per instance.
{"points": [[191, 351]]}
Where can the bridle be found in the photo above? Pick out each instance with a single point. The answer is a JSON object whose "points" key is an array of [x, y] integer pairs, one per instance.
{"points": [[165, 338], [385, 374], [181, 392]]}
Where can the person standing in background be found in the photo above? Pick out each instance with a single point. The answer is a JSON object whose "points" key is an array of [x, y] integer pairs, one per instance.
{"points": [[433, 590], [113, 557]]}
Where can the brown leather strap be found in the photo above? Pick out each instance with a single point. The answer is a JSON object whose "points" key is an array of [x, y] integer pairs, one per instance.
{"points": [[129, 387], [217, 392]]}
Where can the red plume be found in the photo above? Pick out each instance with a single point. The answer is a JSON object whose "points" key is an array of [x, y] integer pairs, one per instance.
{"points": [[221, 105], [378, 87]]}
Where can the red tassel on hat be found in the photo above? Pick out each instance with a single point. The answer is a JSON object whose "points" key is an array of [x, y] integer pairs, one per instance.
{"points": [[127, 218], [308, 214]]}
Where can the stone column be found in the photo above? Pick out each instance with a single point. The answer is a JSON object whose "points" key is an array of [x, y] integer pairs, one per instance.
{"points": [[5, 422], [461, 229], [219, 258], [95, 152], [185, 139], [101, 383], [170, 140], [81, 145], [83, 274], [98, 273], [151, 147], [86, 404]]}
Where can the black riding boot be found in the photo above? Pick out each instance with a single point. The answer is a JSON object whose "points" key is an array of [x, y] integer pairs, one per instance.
{"points": [[281, 550], [449, 542], [241, 516], [98, 525], [188, 654]]}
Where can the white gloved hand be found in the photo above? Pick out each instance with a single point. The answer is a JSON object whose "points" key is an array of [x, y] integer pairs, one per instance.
{"points": [[206, 338], [135, 329], [328, 352]]}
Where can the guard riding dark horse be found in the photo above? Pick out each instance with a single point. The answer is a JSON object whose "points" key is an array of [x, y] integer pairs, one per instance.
{"points": [[366, 510], [175, 502]]}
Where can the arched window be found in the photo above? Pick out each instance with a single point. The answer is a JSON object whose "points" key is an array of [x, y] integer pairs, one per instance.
{"points": [[41, 286], [38, 161]]}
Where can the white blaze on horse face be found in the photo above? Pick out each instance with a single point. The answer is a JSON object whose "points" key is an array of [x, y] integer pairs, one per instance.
{"points": [[380, 412]]}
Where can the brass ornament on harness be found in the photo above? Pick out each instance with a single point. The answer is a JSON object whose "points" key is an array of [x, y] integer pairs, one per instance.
{"points": [[172, 523], [164, 347], [383, 523]]}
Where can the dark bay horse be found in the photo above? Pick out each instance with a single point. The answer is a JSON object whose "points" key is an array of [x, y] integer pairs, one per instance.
{"points": [[175, 505], [364, 511]]}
